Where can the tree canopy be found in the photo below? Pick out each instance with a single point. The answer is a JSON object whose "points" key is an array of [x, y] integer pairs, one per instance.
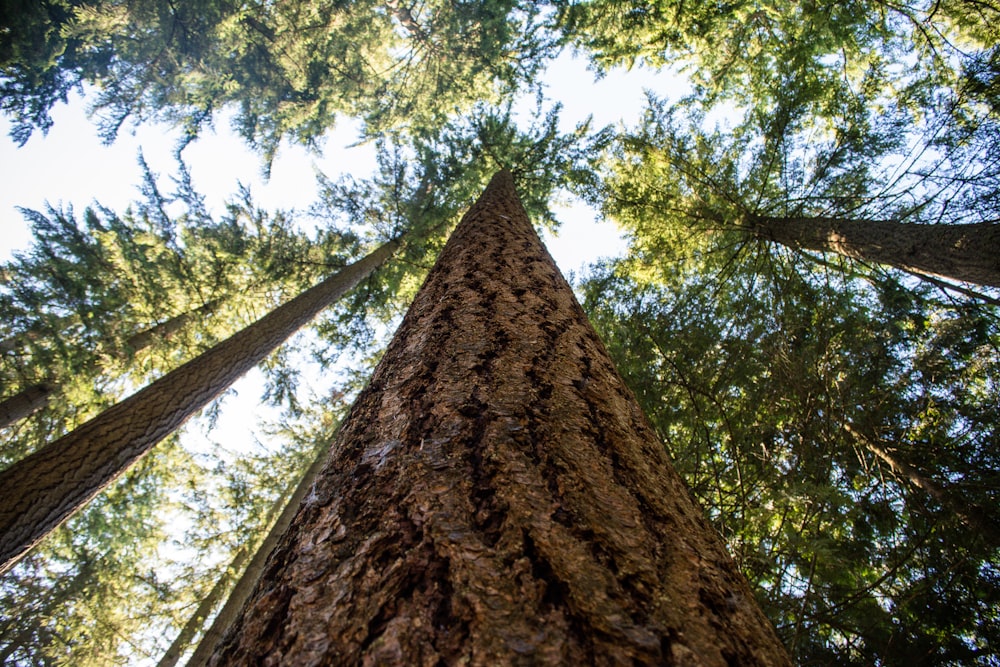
{"points": [[835, 410]]}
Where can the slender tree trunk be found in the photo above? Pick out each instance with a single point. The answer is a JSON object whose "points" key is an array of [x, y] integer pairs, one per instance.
{"points": [[45, 488], [497, 497], [968, 253], [25, 403], [284, 507], [970, 514], [165, 330], [204, 609], [241, 592], [15, 341], [32, 399]]}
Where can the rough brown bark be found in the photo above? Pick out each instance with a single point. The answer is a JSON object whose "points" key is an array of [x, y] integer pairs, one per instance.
{"points": [[497, 497], [968, 253], [241, 592], [45, 488]]}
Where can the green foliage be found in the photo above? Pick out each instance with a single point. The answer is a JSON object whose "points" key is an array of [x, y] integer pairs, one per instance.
{"points": [[92, 584], [837, 422], [753, 52], [290, 68], [108, 302], [422, 188]]}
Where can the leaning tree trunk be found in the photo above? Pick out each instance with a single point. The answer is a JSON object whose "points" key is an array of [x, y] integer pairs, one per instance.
{"points": [[37, 396], [497, 497], [205, 607], [26, 402], [968, 253], [244, 586], [45, 488], [245, 566], [971, 514]]}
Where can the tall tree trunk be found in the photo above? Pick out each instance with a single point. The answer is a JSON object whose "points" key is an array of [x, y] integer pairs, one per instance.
{"points": [[45, 488], [973, 516], [165, 330], [284, 507], [968, 253], [35, 397], [205, 608], [241, 592], [496, 496]]}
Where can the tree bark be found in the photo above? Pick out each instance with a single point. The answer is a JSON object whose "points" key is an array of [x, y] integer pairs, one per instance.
{"points": [[406, 19], [496, 497], [45, 488], [241, 592], [968, 253]]}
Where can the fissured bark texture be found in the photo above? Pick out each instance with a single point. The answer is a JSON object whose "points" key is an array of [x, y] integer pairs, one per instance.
{"points": [[497, 497]]}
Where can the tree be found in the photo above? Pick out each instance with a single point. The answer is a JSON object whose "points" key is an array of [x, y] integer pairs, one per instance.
{"points": [[244, 568], [496, 495], [35, 397], [751, 53], [251, 573], [43, 489], [91, 587], [73, 342], [291, 69], [968, 253]]}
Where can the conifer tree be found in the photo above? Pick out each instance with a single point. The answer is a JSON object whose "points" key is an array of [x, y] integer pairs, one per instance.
{"points": [[496, 495]]}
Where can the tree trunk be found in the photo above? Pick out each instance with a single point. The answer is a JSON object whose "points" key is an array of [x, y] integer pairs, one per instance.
{"points": [[165, 330], [17, 340], [32, 399], [204, 609], [497, 497], [241, 592], [970, 514], [284, 507], [25, 403], [968, 253], [45, 488]]}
